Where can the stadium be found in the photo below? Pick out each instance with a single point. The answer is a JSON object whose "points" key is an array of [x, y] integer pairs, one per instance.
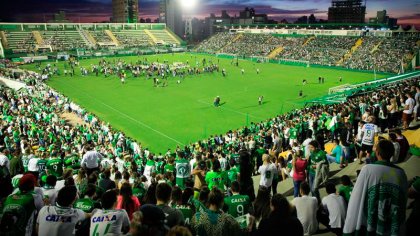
{"points": [[218, 126]]}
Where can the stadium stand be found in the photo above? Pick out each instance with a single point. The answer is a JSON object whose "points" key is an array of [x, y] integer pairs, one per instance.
{"points": [[35, 134], [53, 37], [48, 162], [383, 54], [63, 40], [20, 41], [133, 37], [215, 43], [164, 37]]}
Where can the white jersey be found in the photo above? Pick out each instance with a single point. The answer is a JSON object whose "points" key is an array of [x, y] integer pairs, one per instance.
{"points": [[32, 164], [104, 222], [267, 174], [148, 170], [120, 164], [50, 193], [107, 163], [223, 163], [369, 131], [54, 220]]}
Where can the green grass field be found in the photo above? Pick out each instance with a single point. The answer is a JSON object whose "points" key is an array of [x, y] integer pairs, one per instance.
{"points": [[163, 117]]}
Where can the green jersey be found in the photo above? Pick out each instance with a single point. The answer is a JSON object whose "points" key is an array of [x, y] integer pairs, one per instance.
{"points": [[85, 204], [169, 168], [233, 174], [55, 167], [237, 205], [42, 166], [139, 191], [199, 206], [216, 179], [292, 133], [345, 191], [17, 210], [25, 161], [159, 166], [187, 212], [183, 172], [316, 157], [72, 161]]}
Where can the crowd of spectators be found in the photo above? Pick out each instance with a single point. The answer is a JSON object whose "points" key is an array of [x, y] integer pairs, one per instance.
{"points": [[215, 43], [62, 40], [92, 178], [21, 44], [100, 36], [384, 54], [134, 40], [321, 50], [250, 45]]}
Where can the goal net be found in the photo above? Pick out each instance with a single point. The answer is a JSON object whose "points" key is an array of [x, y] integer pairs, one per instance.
{"points": [[260, 59], [340, 88]]}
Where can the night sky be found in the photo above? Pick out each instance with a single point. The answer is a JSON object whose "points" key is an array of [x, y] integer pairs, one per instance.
{"points": [[407, 11]]}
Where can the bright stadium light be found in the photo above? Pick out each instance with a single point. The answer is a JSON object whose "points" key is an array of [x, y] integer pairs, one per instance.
{"points": [[188, 4]]}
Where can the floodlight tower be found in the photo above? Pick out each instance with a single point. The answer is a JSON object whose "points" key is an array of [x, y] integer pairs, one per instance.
{"points": [[188, 7]]}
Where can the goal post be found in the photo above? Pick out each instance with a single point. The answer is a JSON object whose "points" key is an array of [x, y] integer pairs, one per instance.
{"points": [[340, 88], [260, 59]]}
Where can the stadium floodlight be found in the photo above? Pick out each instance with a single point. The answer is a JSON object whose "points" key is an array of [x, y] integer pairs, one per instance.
{"points": [[188, 4]]}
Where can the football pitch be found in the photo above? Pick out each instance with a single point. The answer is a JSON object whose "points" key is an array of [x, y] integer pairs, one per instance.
{"points": [[178, 114]]}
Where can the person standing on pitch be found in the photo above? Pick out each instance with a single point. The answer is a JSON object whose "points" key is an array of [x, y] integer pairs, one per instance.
{"points": [[260, 100], [216, 101]]}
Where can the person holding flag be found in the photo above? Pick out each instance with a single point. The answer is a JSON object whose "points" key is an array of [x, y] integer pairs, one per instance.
{"points": [[183, 171]]}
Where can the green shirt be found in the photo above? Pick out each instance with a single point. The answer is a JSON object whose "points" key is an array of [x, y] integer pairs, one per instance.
{"points": [[316, 157], [42, 165], [293, 133], [55, 167], [169, 168], [216, 179], [18, 208], [237, 205], [233, 174], [73, 162], [85, 204], [345, 191], [186, 211]]}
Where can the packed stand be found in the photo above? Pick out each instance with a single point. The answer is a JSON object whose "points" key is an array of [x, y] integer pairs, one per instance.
{"points": [[321, 50], [250, 45], [90, 179], [384, 54], [215, 43], [100, 36]]}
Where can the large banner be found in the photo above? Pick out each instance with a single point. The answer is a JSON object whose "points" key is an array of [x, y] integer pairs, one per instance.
{"points": [[12, 83]]}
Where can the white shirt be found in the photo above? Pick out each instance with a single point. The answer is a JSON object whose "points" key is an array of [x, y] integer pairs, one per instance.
{"points": [[306, 208], [267, 173], [51, 194], [410, 103], [192, 164], [54, 220], [111, 221], [32, 164], [369, 130], [223, 163], [305, 144], [91, 159], [4, 161], [336, 207]]}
